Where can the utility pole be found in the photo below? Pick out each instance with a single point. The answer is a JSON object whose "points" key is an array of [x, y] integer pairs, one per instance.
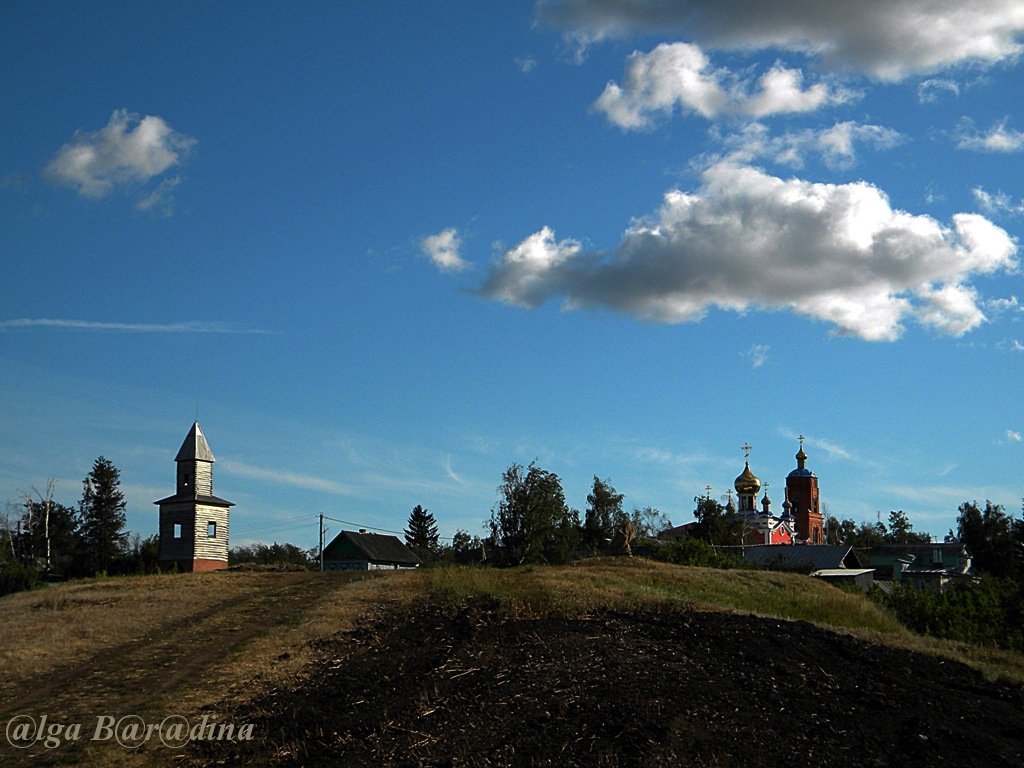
{"points": [[321, 541]]}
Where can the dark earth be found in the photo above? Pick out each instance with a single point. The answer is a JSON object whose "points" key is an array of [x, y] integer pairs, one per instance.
{"points": [[477, 687]]}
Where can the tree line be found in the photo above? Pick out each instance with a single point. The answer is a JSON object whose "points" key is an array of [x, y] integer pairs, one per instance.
{"points": [[532, 523], [42, 538]]}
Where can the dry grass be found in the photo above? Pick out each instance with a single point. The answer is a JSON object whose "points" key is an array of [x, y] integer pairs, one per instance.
{"points": [[641, 584], [168, 645], [65, 624]]}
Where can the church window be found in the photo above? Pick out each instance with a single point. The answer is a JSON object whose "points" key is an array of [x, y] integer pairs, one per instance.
{"points": [[211, 529], [177, 530]]}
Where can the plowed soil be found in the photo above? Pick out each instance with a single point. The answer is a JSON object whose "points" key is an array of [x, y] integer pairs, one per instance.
{"points": [[477, 687]]}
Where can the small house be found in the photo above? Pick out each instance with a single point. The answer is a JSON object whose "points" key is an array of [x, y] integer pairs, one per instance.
{"points": [[808, 558], [926, 566], [836, 564], [362, 551]]}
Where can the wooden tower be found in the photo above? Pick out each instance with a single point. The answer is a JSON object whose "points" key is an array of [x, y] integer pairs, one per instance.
{"points": [[194, 522], [802, 494]]}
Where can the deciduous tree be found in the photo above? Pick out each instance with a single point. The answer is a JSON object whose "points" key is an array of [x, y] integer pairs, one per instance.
{"points": [[649, 522], [531, 522], [993, 538], [714, 525], [901, 530], [604, 508], [49, 534]]}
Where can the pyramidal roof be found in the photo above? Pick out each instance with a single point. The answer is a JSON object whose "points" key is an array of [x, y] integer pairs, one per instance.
{"points": [[195, 447]]}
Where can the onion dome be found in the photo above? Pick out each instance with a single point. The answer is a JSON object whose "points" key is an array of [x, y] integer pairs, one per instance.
{"points": [[747, 483], [801, 460]]}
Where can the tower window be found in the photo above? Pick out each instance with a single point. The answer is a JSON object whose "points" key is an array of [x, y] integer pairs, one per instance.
{"points": [[177, 531], [211, 529]]}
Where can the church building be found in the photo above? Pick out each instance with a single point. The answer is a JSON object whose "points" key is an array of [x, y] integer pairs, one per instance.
{"points": [[801, 520], [760, 526], [802, 495], [194, 522]]}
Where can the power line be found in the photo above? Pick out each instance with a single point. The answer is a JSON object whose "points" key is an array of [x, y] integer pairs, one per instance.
{"points": [[358, 526], [371, 528], [365, 527]]}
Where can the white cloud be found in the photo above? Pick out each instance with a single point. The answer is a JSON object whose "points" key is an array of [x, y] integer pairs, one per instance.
{"points": [[1013, 435], [887, 39], [127, 150], [451, 472], [746, 239], [945, 495], [834, 450], [996, 203], [837, 145], [931, 90], [681, 74], [758, 355], [996, 139], [526, 64], [524, 275], [160, 199], [284, 477], [999, 306], [952, 309], [443, 250], [187, 326]]}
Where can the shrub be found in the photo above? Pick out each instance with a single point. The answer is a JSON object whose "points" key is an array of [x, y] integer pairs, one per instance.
{"points": [[15, 577], [692, 551], [987, 612]]}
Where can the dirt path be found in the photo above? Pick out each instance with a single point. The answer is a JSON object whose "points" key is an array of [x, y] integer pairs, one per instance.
{"points": [[159, 670]]}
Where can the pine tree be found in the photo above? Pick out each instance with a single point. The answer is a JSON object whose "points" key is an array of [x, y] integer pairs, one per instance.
{"points": [[421, 535], [101, 516]]}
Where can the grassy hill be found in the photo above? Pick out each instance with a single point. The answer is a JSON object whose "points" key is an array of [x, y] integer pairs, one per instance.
{"points": [[264, 646]]}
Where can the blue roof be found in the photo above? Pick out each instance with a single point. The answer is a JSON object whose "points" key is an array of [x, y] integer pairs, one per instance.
{"points": [[801, 473]]}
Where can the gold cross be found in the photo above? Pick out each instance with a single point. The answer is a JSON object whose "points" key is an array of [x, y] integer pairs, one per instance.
{"points": [[746, 450]]}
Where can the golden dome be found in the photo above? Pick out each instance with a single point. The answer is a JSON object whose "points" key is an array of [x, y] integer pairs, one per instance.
{"points": [[747, 482]]}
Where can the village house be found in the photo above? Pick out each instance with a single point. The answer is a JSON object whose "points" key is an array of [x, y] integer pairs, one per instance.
{"points": [[836, 564], [362, 551], [927, 566]]}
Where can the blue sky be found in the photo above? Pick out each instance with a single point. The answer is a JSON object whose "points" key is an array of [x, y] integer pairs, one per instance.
{"points": [[382, 251]]}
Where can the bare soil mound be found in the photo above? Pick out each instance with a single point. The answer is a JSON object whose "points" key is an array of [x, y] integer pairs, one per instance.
{"points": [[478, 688]]}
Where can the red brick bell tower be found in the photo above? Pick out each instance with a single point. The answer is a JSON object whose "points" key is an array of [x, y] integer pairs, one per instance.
{"points": [[802, 492]]}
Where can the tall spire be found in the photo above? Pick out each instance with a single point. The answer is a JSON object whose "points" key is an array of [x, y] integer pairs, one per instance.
{"points": [[195, 447]]}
